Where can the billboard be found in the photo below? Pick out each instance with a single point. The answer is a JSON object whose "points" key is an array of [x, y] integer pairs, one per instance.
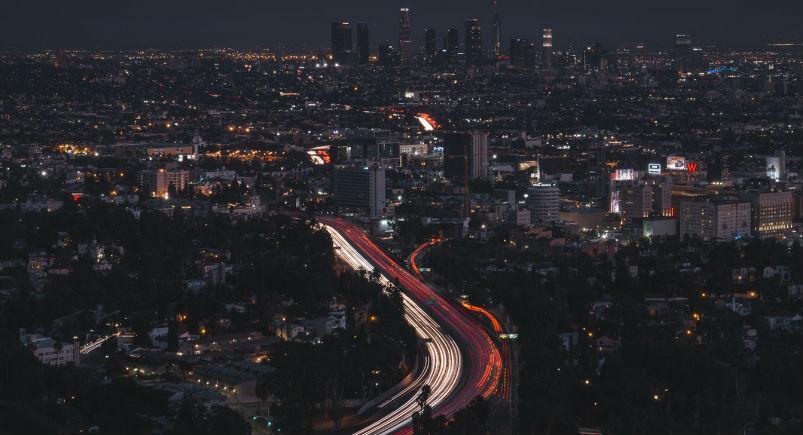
{"points": [[676, 163], [320, 155], [614, 206], [654, 169], [623, 175], [774, 168]]}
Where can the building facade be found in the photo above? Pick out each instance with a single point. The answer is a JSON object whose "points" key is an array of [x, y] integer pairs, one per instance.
{"points": [[714, 219], [361, 188], [773, 213]]}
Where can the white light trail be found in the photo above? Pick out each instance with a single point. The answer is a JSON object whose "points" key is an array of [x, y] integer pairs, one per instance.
{"points": [[443, 364]]}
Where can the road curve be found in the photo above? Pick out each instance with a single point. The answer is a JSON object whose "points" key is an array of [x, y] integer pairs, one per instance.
{"points": [[460, 375]]}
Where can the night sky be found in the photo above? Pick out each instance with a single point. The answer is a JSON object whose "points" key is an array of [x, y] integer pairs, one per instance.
{"points": [[35, 24]]}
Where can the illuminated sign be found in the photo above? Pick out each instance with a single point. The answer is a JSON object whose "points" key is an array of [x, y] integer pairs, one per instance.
{"points": [[623, 175], [692, 167], [320, 155], [676, 163], [427, 122], [654, 168]]}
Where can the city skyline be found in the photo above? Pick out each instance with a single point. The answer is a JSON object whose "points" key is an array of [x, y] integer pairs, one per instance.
{"points": [[240, 24], [490, 217]]}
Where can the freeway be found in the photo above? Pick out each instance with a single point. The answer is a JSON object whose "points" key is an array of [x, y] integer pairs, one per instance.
{"points": [[456, 375], [495, 324], [443, 361]]}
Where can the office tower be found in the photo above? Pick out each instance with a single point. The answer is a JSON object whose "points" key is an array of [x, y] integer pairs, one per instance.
{"points": [[636, 198], [342, 43], [521, 52], [405, 36], [452, 44], [631, 199], [715, 219], [363, 43], [465, 156], [543, 201], [430, 47], [388, 54], [682, 51], [473, 42], [773, 213], [661, 195], [546, 47], [360, 188], [593, 57], [497, 29]]}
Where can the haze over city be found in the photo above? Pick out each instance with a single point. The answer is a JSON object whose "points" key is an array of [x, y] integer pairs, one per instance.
{"points": [[251, 24]]}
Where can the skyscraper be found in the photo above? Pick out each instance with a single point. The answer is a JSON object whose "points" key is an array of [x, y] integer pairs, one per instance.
{"points": [[342, 43], [430, 47], [593, 57], [546, 46], [465, 156], [473, 44], [452, 44], [521, 52], [360, 188], [497, 34], [363, 43], [682, 51], [405, 36]]}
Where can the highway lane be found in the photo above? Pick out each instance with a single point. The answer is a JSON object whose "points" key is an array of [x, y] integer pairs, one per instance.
{"points": [[443, 360], [475, 372], [495, 324]]}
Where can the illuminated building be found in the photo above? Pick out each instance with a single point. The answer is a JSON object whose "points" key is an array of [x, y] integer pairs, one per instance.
{"points": [[543, 201], [360, 188], [546, 46], [715, 219], [342, 43], [158, 181], [773, 213], [49, 352], [473, 43], [430, 47], [465, 155], [173, 149], [497, 29], [405, 36], [631, 199], [452, 44], [363, 43], [682, 51]]}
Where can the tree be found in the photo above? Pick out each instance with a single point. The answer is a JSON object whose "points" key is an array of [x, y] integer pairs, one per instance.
{"points": [[262, 390], [423, 396]]}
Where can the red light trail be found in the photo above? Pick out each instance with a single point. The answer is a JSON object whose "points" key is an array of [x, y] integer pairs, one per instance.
{"points": [[482, 370]]}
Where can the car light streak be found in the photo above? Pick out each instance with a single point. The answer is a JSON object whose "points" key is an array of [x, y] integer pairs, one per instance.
{"points": [[455, 377]]}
